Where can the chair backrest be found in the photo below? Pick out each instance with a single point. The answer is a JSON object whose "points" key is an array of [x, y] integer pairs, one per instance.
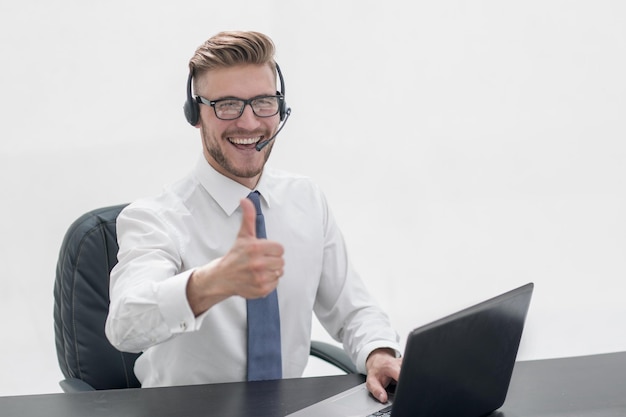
{"points": [[81, 303]]}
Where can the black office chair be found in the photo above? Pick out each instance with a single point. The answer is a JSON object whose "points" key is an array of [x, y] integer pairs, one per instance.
{"points": [[81, 302]]}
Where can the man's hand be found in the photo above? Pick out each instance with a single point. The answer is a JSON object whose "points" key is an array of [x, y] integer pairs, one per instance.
{"points": [[382, 368], [250, 269]]}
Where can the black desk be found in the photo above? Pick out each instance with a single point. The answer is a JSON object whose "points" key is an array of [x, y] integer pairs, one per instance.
{"points": [[582, 386]]}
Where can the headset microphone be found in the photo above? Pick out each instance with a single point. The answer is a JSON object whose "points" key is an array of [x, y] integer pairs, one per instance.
{"points": [[264, 143]]}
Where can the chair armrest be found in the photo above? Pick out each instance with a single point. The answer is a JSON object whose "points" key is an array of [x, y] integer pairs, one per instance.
{"points": [[72, 385], [334, 355]]}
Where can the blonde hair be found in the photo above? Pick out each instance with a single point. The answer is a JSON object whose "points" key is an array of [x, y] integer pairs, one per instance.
{"points": [[227, 49]]}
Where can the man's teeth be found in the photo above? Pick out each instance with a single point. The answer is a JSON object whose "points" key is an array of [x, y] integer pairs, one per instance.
{"points": [[244, 141]]}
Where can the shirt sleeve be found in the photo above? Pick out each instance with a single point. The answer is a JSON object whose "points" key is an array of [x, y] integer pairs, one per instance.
{"points": [[345, 307], [147, 288]]}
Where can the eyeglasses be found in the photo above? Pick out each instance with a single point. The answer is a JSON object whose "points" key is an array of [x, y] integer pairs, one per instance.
{"points": [[232, 108]]}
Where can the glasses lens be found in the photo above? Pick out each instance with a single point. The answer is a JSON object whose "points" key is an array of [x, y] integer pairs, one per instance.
{"points": [[265, 106], [229, 109]]}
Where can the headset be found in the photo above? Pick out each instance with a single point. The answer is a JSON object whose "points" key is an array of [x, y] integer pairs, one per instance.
{"points": [[192, 107]]}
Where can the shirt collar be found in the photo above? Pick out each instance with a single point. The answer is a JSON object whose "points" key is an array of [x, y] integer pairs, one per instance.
{"points": [[226, 192]]}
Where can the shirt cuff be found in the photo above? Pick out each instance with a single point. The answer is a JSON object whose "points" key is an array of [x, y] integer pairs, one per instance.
{"points": [[173, 304], [369, 348]]}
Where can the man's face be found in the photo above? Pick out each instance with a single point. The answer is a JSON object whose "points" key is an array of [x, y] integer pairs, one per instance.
{"points": [[229, 145]]}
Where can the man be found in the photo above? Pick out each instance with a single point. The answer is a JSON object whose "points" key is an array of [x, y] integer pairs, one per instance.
{"points": [[191, 263]]}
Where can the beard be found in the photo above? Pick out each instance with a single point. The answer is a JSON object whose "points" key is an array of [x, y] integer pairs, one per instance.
{"points": [[212, 147]]}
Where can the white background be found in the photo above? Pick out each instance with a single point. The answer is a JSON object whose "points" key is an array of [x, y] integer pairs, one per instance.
{"points": [[482, 141]]}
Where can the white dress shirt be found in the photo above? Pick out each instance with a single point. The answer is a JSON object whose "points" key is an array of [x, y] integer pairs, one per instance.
{"points": [[195, 221]]}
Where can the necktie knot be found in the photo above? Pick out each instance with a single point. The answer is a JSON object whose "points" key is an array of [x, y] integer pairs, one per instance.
{"points": [[254, 196], [260, 220]]}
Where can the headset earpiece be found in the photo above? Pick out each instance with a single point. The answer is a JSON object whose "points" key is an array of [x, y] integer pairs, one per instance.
{"points": [[282, 109], [191, 107]]}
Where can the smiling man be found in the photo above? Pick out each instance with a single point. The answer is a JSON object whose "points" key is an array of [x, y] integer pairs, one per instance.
{"points": [[219, 276], [230, 144]]}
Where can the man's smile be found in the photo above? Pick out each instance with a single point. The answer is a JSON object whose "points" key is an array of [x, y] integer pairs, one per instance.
{"points": [[244, 141]]}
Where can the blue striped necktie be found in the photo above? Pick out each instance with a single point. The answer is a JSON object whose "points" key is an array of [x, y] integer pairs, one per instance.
{"points": [[264, 352]]}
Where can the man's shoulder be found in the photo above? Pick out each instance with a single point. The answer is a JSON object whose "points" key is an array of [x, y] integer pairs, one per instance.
{"points": [[290, 188], [170, 200], [287, 178]]}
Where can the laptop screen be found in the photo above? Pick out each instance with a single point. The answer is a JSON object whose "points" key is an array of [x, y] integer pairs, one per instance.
{"points": [[461, 365]]}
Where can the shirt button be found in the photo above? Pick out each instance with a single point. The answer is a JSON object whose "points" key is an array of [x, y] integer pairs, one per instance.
{"points": [[183, 326]]}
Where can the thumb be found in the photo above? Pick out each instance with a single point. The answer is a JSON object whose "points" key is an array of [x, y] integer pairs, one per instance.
{"points": [[248, 220]]}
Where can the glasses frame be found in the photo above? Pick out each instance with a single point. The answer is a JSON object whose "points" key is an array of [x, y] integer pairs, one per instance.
{"points": [[213, 103]]}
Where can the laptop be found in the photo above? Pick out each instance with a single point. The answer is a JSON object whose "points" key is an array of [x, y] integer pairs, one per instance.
{"points": [[458, 366]]}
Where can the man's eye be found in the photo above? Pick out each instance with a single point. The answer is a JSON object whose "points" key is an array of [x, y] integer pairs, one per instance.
{"points": [[228, 105]]}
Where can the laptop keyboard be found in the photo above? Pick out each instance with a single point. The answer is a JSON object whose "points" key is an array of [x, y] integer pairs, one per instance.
{"points": [[385, 412]]}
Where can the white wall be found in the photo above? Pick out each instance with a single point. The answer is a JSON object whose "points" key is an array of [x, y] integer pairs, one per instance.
{"points": [[484, 141]]}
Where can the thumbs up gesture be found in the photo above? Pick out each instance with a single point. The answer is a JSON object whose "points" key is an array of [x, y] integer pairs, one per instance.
{"points": [[258, 262], [250, 269]]}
